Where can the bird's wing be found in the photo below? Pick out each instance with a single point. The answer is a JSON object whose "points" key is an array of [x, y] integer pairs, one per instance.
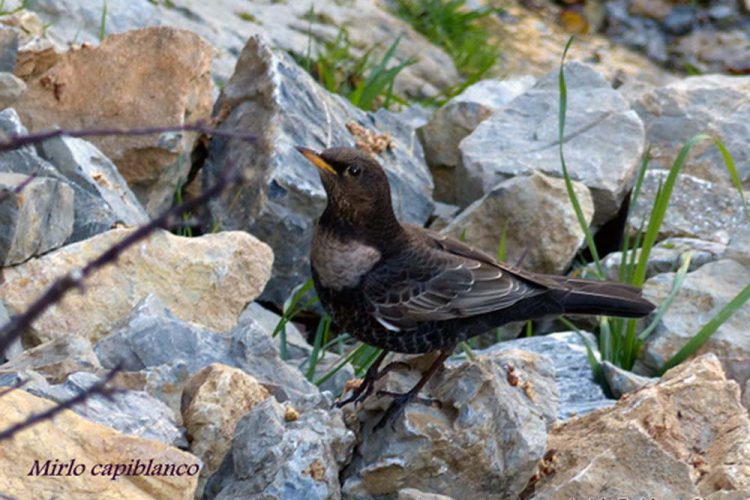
{"points": [[443, 279]]}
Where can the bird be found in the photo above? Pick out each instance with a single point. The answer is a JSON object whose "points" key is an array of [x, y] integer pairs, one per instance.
{"points": [[407, 289]]}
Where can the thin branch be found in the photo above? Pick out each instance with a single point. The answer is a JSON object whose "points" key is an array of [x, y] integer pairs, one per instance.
{"points": [[97, 388], [8, 192], [19, 141]]}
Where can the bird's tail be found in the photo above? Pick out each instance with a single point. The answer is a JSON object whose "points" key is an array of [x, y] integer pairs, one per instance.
{"points": [[607, 298]]}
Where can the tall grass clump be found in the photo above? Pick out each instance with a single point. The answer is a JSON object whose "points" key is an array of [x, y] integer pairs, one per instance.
{"points": [[621, 340]]}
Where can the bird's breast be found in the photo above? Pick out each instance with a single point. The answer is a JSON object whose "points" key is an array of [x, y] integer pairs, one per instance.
{"points": [[341, 263]]}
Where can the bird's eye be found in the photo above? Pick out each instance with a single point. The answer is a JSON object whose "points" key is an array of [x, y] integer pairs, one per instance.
{"points": [[353, 170]]}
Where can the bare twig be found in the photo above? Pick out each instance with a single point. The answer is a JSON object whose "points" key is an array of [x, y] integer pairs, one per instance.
{"points": [[97, 388], [19, 141], [6, 193]]}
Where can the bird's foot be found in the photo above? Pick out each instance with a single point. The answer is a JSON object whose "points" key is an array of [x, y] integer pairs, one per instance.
{"points": [[373, 374], [400, 400]]}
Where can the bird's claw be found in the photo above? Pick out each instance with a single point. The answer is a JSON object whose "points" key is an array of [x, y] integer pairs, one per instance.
{"points": [[368, 383], [400, 400]]}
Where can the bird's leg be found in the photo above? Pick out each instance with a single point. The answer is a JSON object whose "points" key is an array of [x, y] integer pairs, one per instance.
{"points": [[372, 375], [401, 400]]}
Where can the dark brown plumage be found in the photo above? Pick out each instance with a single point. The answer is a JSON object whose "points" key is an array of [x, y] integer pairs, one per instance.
{"points": [[407, 289]]}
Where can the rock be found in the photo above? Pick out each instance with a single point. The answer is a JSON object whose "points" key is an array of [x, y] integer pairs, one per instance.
{"points": [[92, 453], [11, 89], [55, 359], [704, 292], [169, 84], [714, 104], [85, 166], [413, 494], [298, 350], [208, 281], [270, 95], [579, 392], [685, 437], [8, 49], [92, 180], [697, 208], [535, 214], [666, 256], [621, 381], [443, 215], [213, 402], [34, 220], [720, 50], [131, 412], [457, 119], [738, 248], [275, 458], [292, 26], [605, 140], [498, 401], [152, 337]]}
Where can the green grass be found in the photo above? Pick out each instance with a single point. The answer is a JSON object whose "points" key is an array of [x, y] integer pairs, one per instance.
{"points": [[363, 79], [620, 340], [103, 23], [450, 24]]}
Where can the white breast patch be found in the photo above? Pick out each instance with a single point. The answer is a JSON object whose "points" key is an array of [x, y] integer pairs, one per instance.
{"points": [[340, 264]]}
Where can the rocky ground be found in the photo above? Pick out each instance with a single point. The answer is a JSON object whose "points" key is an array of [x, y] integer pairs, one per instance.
{"points": [[189, 321]]}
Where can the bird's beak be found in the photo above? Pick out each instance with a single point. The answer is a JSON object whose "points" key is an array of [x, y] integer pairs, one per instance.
{"points": [[316, 160]]}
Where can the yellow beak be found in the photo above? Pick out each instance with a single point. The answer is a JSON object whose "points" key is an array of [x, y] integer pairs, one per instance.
{"points": [[316, 160]]}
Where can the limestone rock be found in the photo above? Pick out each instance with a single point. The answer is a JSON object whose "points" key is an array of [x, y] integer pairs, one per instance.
{"points": [[35, 220], [8, 48], [697, 208], [166, 81], [270, 95], [213, 402], [207, 280], [621, 381], [457, 119], [135, 413], [489, 404], [11, 89], [537, 217], [579, 393], [152, 338], [666, 256], [55, 359], [93, 178], [604, 140], [292, 26], [715, 104], [275, 458], [704, 292], [70, 438], [84, 165], [686, 437], [738, 248]]}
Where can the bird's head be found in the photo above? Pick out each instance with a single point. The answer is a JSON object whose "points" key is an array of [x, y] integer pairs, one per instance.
{"points": [[359, 197]]}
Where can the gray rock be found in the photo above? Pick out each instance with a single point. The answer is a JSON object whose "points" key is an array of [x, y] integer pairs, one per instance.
{"points": [[56, 359], [131, 412], [87, 167], [11, 89], [8, 48], [666, 256], [486, 406], [152, 337], [16, 347], [414, 494], [716, 104], [738, 248], [93, 214], [34, 221], [227, 24], [275, 458], [457, 119], [298, 350], [622, 381], [697, 208], [443, 215], [270, 95], [538, 219], [579, 392], [604, 140], [703, 293]]}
